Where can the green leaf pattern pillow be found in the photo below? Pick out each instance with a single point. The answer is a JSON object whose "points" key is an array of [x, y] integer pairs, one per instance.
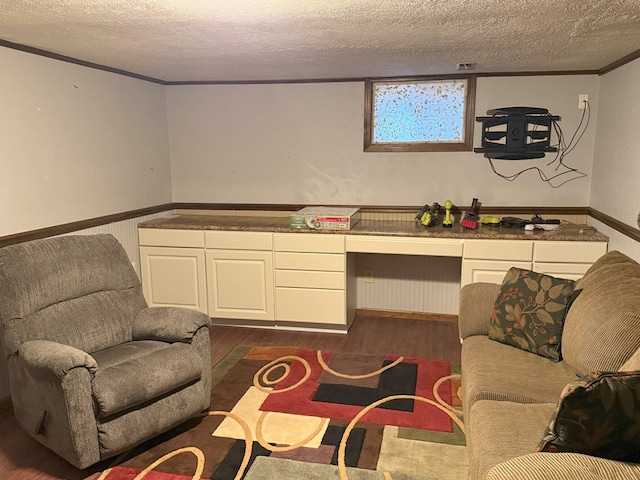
{"points": [[598, 415], [529, 312]]}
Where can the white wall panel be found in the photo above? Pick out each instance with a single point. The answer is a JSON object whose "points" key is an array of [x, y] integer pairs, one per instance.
{"points": [[77, 143], [616, 157], [303, 143]]}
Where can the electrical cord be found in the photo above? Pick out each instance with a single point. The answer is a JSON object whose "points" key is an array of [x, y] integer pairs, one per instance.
{"points": [[563, 150]]}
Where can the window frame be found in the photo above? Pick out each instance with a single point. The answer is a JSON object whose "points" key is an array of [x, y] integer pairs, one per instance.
{"points": [[469, 118]]}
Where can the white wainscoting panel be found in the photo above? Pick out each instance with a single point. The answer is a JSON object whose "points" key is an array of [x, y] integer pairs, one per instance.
{"points": [[126, 232], [617, 240], [409, 283]]}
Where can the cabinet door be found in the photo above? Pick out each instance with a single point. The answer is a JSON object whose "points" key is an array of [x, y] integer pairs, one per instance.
{"points": [[240, 284], [488, 270], [173, 277]]}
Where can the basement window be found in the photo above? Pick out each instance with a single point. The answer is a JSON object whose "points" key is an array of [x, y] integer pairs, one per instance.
{"points": [[419, 114]]}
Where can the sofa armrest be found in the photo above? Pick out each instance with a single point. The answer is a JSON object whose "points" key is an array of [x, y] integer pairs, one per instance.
{"points": [[168, 324], [55, 357], [476, 302], [562, 466]]}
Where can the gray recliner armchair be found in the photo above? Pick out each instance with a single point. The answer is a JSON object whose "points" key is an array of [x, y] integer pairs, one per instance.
{"points": [[92, 370]]}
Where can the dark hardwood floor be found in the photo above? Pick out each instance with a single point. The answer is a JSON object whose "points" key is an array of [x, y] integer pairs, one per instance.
{"points": [[22, 458]]}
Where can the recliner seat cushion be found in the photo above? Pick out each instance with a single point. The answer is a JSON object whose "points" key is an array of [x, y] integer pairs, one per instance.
{"points": [[148, 371]]}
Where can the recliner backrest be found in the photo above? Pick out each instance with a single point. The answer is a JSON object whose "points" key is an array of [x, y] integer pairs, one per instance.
{"points": [[80, 290]]}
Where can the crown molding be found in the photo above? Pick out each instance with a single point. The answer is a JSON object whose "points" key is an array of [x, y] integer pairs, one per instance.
{"points": [[64, 58]]}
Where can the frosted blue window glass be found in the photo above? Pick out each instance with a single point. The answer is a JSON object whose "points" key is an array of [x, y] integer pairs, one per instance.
{"points": [[428, 111]]}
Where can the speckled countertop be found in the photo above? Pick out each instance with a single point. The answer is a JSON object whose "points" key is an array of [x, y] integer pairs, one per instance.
{"points": [[566, 232]]}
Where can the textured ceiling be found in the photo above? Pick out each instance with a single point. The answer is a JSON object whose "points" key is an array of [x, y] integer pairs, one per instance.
{"points": [[245, 40]]}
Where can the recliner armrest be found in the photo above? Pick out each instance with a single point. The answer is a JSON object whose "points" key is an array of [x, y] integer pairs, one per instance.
{"points": [[55, 357], [476, 302], [169, 324]]}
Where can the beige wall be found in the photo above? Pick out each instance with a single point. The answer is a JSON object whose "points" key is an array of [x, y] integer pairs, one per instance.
{"points": [[615, 186], [77, 143], [303, 143]]}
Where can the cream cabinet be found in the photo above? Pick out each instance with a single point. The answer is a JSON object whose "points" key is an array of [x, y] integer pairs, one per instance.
{"points": [[311, 279], [172, 267], [239, 268], [566, 259], [305, 280], [489, 260]]}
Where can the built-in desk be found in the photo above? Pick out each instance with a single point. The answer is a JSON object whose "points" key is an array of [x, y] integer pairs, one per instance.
{"points": [[257, 271]]}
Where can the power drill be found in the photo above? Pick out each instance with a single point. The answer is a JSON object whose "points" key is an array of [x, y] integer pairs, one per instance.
{"points": [[427, 216]]}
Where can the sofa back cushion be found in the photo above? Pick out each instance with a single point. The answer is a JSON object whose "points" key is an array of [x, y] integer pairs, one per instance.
{"points": [[602, 328]]}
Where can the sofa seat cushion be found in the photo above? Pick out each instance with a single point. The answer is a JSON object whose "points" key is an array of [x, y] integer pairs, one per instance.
{"points": [[500, 431], [602, 328], [143, 370], [495, 371]]}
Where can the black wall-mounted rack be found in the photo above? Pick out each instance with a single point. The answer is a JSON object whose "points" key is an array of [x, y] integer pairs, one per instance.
{"points": [[516, 133]]}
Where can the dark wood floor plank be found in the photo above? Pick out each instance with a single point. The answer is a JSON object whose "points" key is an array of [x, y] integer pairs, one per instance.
{"points": [[22, 458]]}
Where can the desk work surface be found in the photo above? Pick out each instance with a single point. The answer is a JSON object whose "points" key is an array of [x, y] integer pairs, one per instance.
{"points": [[399, 228]]}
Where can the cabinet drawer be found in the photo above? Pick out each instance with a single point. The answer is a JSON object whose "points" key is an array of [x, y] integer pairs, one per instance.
{"points": [[155, 237], [441, 247], [490, 271], [308, 242], [311, 305], [238, 240], [571, 271], [308, 279], [518, 250], [568, 252], [331, 262]]}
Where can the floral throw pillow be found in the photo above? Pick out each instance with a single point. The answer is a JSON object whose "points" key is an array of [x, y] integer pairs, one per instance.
{"points": [[597, 415], [529, 312]]}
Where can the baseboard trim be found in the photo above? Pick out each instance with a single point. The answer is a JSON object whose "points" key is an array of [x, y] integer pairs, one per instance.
{"points": [[434, 317]]}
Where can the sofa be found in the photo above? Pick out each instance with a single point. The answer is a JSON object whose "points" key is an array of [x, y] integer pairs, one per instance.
{"points": [[520, 421]]}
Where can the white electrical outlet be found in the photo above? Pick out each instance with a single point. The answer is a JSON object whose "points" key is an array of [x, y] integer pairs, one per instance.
{"points": [[368, 275], [582, 98]]}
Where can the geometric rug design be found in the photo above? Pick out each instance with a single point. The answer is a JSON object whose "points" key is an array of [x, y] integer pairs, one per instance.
{"points": [[291, 413]]}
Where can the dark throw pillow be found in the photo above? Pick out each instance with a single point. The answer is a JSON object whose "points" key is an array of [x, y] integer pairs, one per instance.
{"points": [[529, 312], [597, 415]]}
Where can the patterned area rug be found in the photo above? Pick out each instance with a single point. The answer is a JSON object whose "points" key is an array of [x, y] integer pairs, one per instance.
{"points": [[289, 413]]}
